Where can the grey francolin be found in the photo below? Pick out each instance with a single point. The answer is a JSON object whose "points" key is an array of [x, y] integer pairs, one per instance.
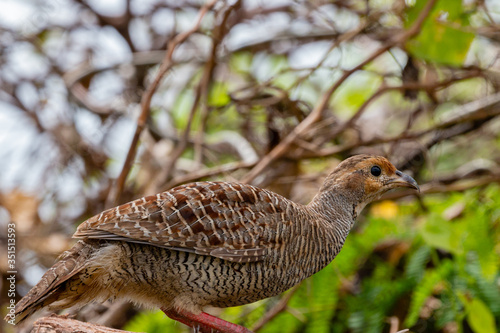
{"points": [[211, 244]]}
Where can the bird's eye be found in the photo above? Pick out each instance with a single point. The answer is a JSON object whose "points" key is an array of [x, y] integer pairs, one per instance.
{"points": [[376, 171]]}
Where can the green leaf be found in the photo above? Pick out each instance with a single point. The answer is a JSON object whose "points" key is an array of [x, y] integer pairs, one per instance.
{"points": [[355, 91], [479, 317], [218, 95], [425, 288], [415, 267], [442, 234], [487, 290], [152, 322], [182, 106], [444, 37], [241, 62]]}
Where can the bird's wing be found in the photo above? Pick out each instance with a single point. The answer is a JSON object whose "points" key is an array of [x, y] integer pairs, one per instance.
{"points": [[231, 221]]}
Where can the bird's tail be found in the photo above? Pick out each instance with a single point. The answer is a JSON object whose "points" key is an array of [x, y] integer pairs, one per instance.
{"points": [[52, 285]]}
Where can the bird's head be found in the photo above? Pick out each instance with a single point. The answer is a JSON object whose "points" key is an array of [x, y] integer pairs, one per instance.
{"points": [[361, 179]]}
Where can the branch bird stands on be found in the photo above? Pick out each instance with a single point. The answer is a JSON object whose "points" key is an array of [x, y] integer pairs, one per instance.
{"points": [[211, 244]]}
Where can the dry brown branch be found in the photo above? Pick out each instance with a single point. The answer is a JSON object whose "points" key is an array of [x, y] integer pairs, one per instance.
{"points": [[116, 315], [80, 94], [183, 140], [114, 196], [316, 151], [453, 183], [194, 176], [338, 41], [201, 92], [315, 115], [394, 324], [275, 310], [218, 34], [478, 110], [85, 71], [63, 324], [488, 106], [407, 86]]}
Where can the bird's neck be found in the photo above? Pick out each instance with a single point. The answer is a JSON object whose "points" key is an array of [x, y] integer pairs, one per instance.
{"points": [[338, 208], [334, 216]]}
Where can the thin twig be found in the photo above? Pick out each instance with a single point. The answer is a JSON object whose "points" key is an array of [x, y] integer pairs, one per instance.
{"points": [[275, 310], [459, 185], [476, 110], [341, 39], [408, 86], [219, 32], [200, 93], [193, 176], [115, 193]]}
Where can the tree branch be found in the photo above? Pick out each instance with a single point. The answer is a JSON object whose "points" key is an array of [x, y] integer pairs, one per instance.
{"points": [[115, 193], [63, 324], [315, 115]]}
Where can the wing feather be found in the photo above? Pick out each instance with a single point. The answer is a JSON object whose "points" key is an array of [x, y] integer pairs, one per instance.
{"points": [[231, 221]]}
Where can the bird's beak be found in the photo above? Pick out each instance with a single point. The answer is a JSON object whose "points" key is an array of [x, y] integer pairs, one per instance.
{"points": [[403, 180]]}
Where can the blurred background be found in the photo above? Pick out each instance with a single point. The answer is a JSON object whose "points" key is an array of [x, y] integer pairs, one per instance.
{"points": [[274, 93]]}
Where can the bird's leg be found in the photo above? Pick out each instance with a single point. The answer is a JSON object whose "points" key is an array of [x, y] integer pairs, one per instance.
{"points": [[205, 322]]}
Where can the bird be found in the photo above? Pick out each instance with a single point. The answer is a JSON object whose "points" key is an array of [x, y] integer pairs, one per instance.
{"points": [[218, 244]]}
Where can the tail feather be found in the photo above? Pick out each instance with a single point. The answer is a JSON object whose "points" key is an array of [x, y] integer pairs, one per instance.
{"points": [[51, 286]]}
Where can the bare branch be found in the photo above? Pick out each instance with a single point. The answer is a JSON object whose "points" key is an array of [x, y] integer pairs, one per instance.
{"points": [[114, 196], [63, 324], [275, 310], [315, 115], [201, 93]]}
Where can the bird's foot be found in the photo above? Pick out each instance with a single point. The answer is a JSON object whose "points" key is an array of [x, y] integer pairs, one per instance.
{"points": [[205, 323]]}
